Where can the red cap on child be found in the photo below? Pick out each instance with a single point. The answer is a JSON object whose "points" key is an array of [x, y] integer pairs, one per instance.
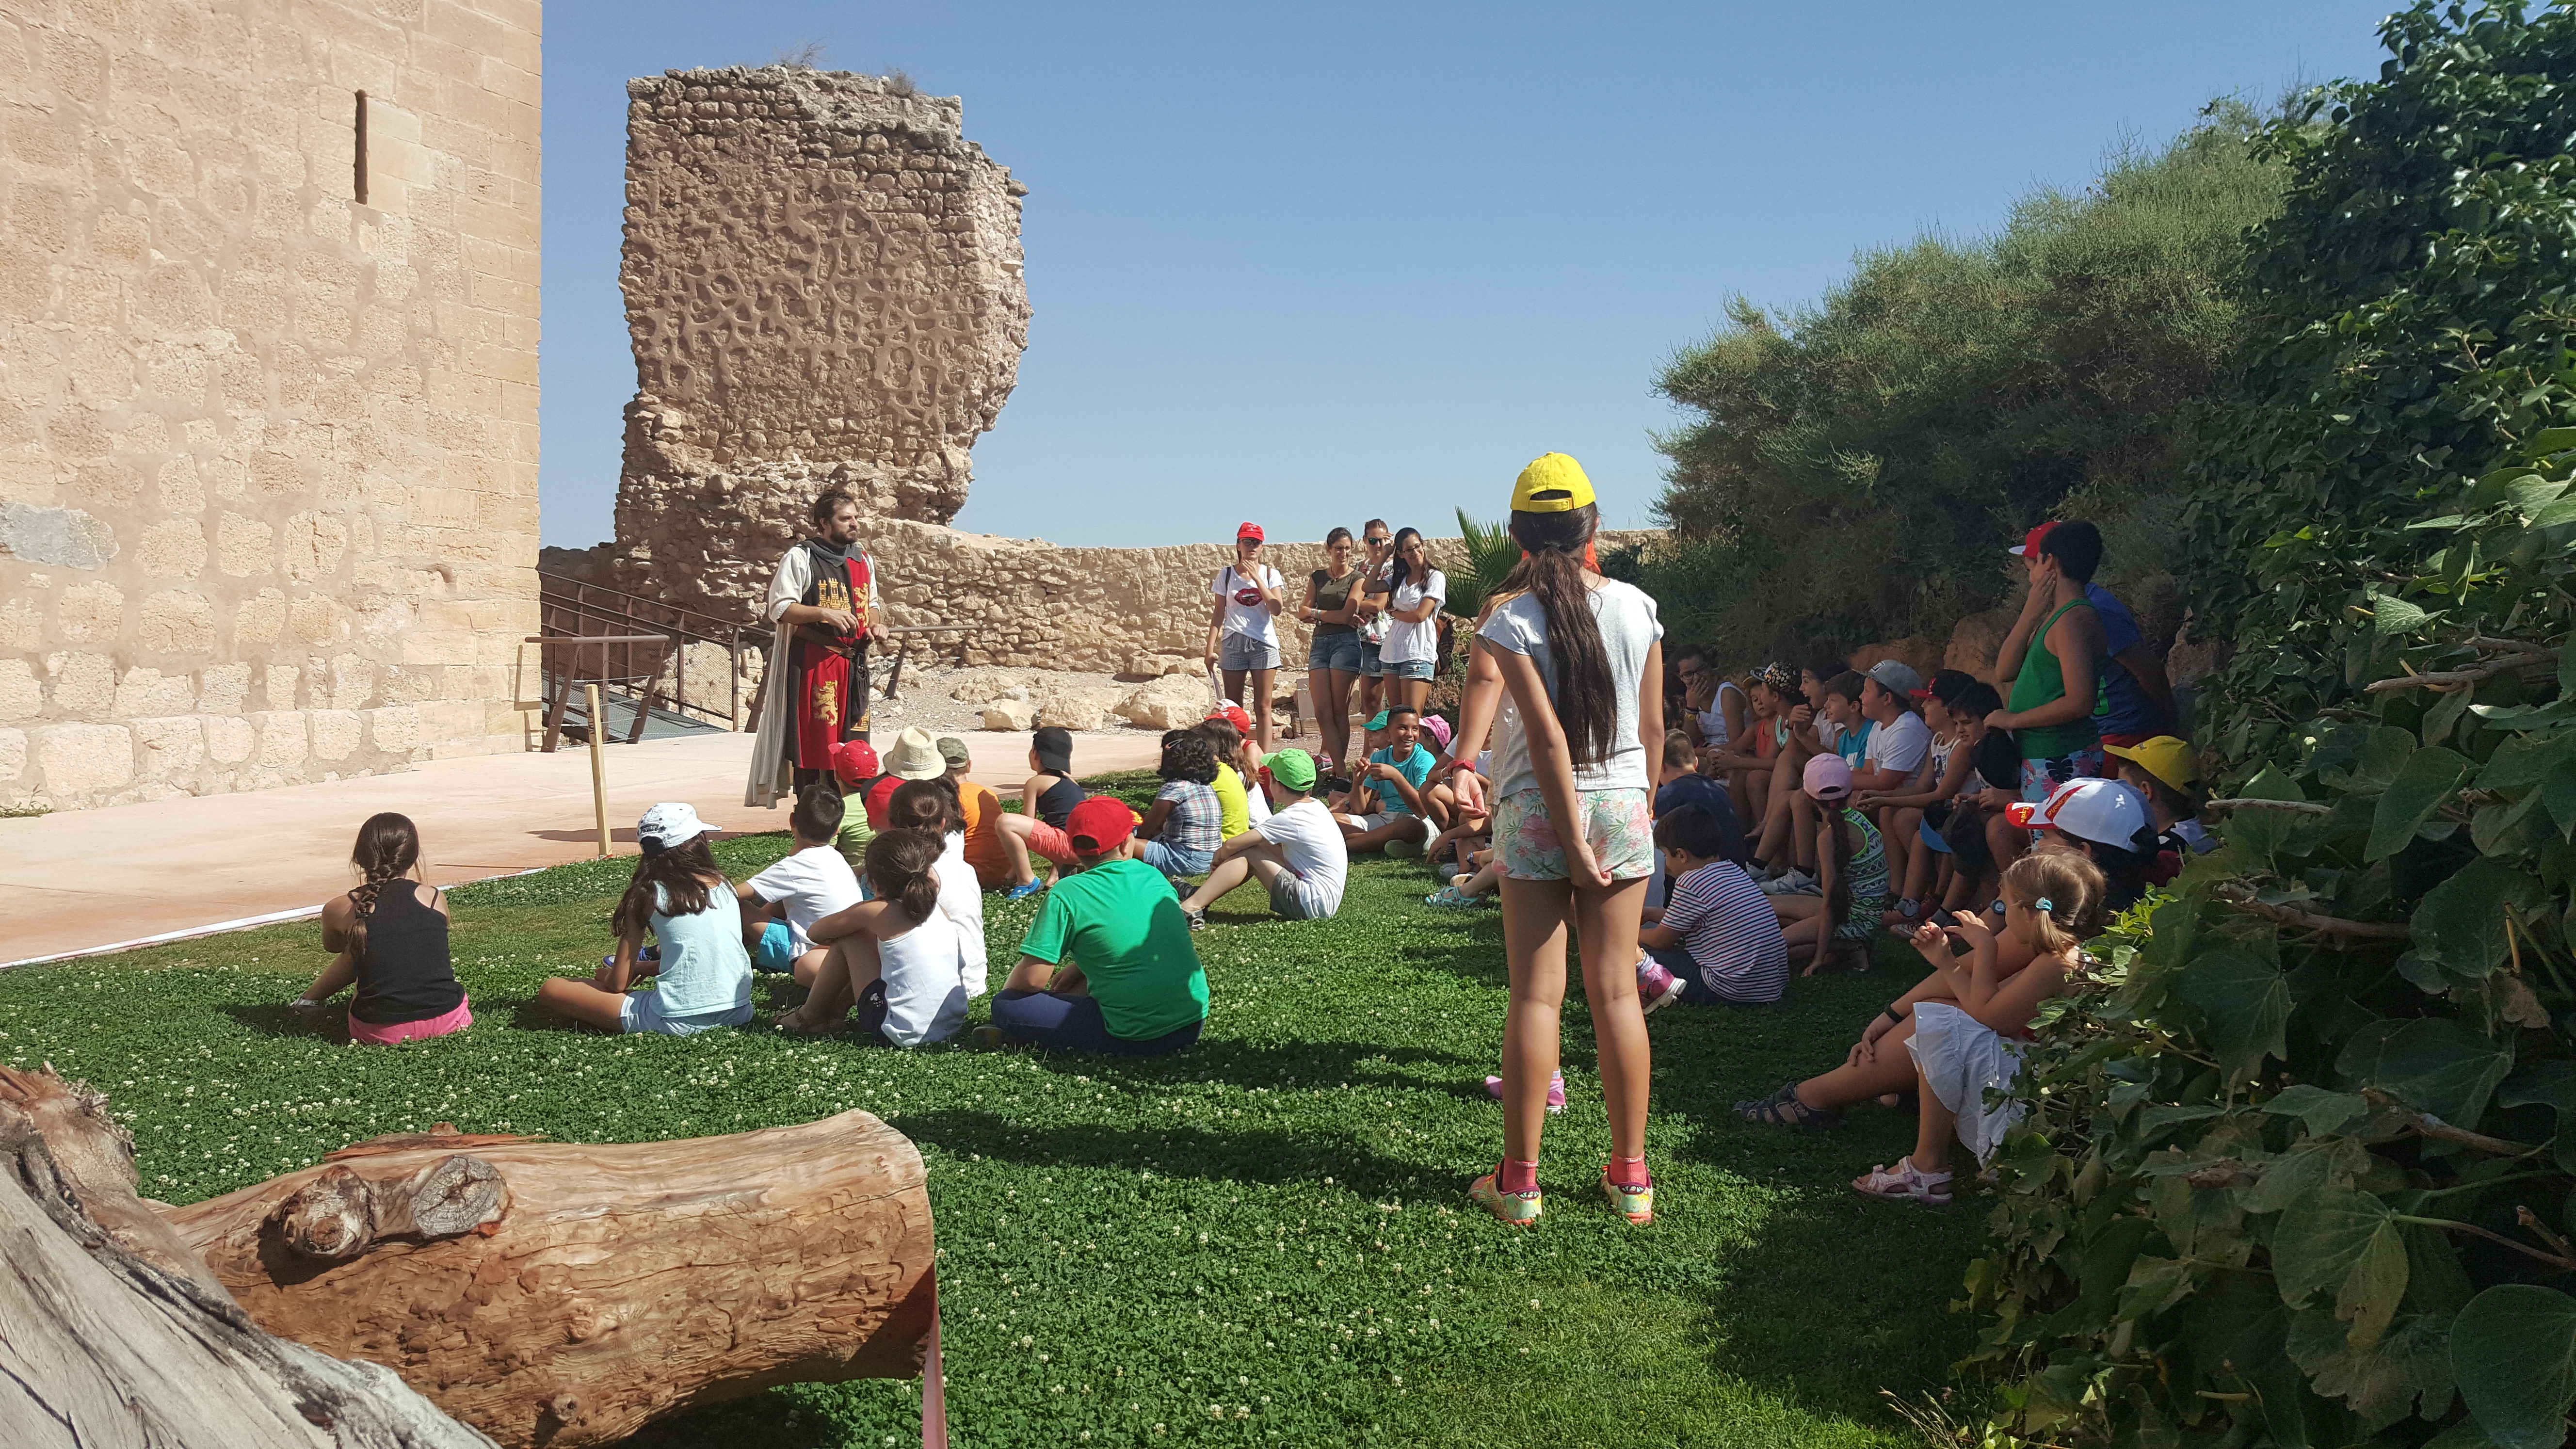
{"points": [[855, 761], [1097, 825]]}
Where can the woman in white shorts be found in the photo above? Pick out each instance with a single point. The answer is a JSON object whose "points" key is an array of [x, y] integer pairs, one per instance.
{"points": [[1581, 660], [1243, 628]]}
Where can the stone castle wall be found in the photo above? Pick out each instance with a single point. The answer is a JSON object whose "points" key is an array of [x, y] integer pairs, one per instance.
{"points": [[268, 455], [1138, 612], [823, 284]]}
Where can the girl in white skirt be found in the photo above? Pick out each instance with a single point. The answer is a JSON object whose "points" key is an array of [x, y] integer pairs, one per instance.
{"points": [[2053, 902]]}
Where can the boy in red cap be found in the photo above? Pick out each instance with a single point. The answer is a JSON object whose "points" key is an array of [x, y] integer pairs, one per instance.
{"points": [[854, 765], [1243, 629], [1108, 965]]}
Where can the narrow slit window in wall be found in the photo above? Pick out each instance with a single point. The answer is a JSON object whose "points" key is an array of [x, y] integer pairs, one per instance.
{"points": [[361, 167]]}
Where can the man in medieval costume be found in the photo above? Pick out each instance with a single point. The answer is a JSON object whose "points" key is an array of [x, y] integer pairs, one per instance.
{"points": [[822, 603]]}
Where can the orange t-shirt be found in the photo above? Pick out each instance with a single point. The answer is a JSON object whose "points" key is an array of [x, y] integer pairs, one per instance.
{"points": [[984, 834]]}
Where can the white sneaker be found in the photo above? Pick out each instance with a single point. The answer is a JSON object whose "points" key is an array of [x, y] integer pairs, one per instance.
{"points": [[1792, 882]]}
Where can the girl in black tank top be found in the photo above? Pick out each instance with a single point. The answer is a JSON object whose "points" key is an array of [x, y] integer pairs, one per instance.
{"points": [[392, 945]]}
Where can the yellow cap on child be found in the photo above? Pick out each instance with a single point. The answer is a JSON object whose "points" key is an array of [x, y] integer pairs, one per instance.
{"points": [[1552, 483]]}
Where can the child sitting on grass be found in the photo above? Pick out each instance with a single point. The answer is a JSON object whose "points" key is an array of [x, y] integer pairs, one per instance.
{"points": [[1718, 940], [391, 936], [2163, 770], [1387, 809], [854, 766], [703, 977], [1910, 816], [1973, 1043], [1182, 831], [1744, 764], [897, 958], [1852, 868], [999, 855], [1108, 965], [1046, 797], [1296, 853], [931, 807], [781, 904], [1239, 803]]}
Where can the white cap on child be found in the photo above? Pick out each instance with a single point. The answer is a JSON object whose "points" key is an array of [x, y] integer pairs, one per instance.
{"points": [[669, 824]]}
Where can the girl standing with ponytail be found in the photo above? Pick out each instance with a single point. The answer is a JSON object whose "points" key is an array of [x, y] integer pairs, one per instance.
{"points": [[391, 933], [1579, 658]]}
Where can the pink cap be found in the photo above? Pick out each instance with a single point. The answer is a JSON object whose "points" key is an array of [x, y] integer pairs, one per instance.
{"points": [[1828, 778], [1436, 727]]}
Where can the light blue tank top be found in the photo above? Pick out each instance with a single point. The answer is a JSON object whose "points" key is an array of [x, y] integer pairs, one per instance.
{"points": [[704, 967]]}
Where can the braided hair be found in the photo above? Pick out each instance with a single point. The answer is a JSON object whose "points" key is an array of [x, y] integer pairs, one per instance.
{"points": [[387, 849]]}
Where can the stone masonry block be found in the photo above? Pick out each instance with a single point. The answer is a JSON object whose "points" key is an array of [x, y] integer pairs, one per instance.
{"points": [[283, 741], [84, 684], [230, 739], [13, 754], [21, 697], [335, 732], [170, 745], [79, 759], [175, 621], [149, 692], [173, 549]]}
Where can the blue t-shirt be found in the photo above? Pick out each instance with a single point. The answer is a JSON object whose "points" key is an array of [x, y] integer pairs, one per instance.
{"points": [[2121, 705], [1710, 796], [1854, 743], [1415, 768]]}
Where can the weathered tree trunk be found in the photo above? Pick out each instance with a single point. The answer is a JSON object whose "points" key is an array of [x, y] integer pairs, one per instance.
{"points": [[562, 1295], [113, 1334]]}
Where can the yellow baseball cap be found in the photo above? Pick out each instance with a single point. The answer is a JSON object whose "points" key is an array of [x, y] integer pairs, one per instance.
{"points": [[2166, 758], [1552, 483]]}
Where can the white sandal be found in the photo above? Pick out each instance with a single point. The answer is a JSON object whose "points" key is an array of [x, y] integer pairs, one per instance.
{"points": [[1903, 1184]]}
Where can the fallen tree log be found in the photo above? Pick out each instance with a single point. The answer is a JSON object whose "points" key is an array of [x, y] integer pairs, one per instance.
{"points": [[563, 1295], [113, 1335]]}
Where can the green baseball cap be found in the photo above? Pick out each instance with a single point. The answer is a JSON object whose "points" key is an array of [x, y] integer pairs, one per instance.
{"points": [[1377, 721], [1294, 769]]}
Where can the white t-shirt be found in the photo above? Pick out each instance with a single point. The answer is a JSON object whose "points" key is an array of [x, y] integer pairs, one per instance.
{"points": [[1414, 643], [1628, 626], [961, 899], [1899, 745], [1245, 613], [811, 884], [1712, 720], [1306, 834]]}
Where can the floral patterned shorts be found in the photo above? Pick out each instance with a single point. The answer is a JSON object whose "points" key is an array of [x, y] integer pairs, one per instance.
{"points": [[1617, 823]]}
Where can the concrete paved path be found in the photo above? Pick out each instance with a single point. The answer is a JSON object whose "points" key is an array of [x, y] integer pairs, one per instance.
{"points": [[78, 880]]}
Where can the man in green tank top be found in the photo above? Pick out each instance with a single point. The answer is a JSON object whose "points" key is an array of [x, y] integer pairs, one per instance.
{"points": [[2050, 711]]}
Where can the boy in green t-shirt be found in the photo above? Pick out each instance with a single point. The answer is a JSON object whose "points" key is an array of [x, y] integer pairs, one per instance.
{"points": [[854, 762], [1108, 967]]}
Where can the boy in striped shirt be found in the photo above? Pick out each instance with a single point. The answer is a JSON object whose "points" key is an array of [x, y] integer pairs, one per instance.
{"points": [[1717, 938]]}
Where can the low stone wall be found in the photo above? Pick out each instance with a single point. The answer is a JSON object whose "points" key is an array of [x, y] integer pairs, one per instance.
{"points": [[1138, 612]]}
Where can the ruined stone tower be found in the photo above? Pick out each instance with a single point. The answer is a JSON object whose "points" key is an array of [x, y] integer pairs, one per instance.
{"points": [[823, 282]]}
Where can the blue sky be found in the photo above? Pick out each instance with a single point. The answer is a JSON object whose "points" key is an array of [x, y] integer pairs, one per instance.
{"points": [[1308, 264]]}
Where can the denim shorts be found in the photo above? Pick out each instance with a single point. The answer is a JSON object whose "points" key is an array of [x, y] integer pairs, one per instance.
{"points": [[1410, 669], [642, 1012], [1174, 861], [1334, 651], [1370, 665], [1242, 651]]}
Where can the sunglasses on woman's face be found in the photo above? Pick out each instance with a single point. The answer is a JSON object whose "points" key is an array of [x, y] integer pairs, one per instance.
{"points": [[1376, 540]]}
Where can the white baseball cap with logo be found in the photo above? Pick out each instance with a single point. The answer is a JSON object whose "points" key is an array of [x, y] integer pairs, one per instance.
{"points": [[2105, 812], [669, 824]]}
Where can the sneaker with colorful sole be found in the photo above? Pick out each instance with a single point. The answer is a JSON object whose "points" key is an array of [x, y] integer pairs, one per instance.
{"points": [[1657, 987], [1520, 1209], [1636, 1204]]}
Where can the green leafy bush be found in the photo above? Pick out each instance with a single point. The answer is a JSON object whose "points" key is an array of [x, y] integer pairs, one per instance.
{"points": [[2301, 1173], [1949, 395]]}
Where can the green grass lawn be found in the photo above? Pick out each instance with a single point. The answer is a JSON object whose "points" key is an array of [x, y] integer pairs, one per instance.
{"points": [[1263, 1240]]}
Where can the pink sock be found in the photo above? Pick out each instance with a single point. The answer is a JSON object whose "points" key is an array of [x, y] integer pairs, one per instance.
{"points": [[1513, 1176], [1630, 1172]]}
